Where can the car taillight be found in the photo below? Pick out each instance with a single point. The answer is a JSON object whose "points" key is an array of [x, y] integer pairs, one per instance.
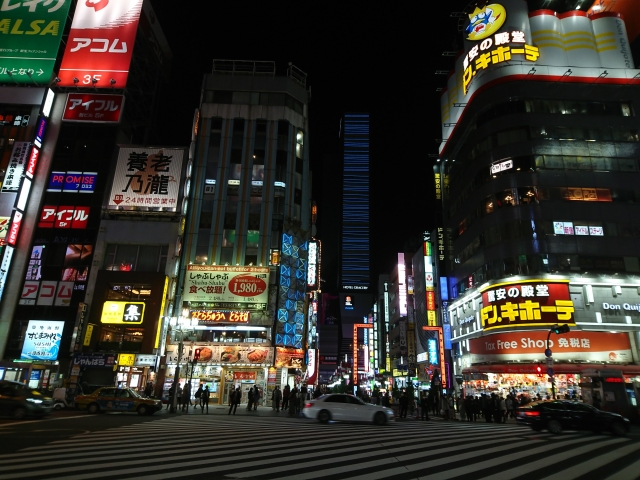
{"points": [[532, 413], [308, 405]]}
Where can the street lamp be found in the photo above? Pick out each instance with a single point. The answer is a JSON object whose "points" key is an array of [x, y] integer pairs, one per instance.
{"points": [[183, 325]]}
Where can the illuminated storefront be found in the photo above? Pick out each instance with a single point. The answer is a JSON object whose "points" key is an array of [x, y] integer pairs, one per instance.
{"points": [[501, 334]]}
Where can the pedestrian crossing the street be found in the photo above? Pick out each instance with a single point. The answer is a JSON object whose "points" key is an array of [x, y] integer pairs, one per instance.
{"points": [[222, 447]]}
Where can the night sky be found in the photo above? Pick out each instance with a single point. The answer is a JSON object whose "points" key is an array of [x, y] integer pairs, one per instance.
{"points": [[359, 56]]}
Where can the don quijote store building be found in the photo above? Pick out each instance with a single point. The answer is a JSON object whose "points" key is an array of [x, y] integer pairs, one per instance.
{"points": [[539, 164]]}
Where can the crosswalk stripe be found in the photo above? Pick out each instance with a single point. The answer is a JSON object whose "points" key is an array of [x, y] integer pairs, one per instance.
{"points": [[239, 461], [548, 460], [588, 466], [629, 472], [188, 446]]}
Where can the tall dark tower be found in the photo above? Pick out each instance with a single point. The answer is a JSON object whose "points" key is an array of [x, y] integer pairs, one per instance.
{"points": [[354, 261]]}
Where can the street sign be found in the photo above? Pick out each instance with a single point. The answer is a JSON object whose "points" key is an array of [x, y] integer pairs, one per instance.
{"points": [[547, 352], [31, 37]]}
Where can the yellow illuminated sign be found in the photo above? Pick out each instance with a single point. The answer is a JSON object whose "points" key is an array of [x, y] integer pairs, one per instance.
{"points": [[431, 318], [164, 298], [485, 22], [438, 186], [87, 335], [126, 359], [504, 49], [128, 313]]}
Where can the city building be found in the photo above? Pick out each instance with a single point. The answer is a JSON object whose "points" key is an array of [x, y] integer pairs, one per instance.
{"points": [[242, 299], [537, 178], [58, 164]]}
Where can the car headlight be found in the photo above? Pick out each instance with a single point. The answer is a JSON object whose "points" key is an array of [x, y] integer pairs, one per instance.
{"points": [[34, 400], [389, 411]]}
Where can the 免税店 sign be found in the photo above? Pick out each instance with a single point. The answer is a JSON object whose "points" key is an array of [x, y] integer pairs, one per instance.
{"points": [[575, 345], [530, 303]]}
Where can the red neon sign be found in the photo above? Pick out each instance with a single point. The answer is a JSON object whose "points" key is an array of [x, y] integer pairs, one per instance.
{"points": [[614, 380]]}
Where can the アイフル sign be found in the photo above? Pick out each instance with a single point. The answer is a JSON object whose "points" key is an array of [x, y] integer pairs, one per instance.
{"points": [[93, 107]]}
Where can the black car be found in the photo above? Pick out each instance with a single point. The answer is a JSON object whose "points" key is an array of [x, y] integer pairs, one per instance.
{"points": [[558, 415], [17, 400]]}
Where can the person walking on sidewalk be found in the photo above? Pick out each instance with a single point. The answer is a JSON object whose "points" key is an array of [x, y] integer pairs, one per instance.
{"points": [[234, 399], [172, 390], [404, 404], [204, 399], [186, 397], [198, 396], [250, 399], [424, 406], [286, 392], [256, 397], [276, 397], [293, 402]]}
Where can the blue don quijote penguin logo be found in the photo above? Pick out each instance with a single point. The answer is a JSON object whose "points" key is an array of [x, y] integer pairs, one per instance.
{"points": [[485, 22]]}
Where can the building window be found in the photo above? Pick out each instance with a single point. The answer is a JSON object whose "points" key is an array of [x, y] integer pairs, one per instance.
{"points": [[136, 258]]}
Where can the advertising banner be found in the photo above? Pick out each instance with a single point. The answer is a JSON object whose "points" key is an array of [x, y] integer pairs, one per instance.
{"points": [[15, 170], [576, 346], [289, 357], [530, 303], [31, 34], [225, 355], [205, 317], [93, 107], [240, 285], [72, 182], [147, 177], [100, 44], [42, 341], [64, 217], [435, 354]]}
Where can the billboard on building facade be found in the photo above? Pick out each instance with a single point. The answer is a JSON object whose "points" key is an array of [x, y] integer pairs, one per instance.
{"points": [[289, 357], [576, 346], [17, 163], [100, 44], [224, 354], [528, 303], [42, 340], [147, 178], [93, 108], [31, 34], [226, 284]]}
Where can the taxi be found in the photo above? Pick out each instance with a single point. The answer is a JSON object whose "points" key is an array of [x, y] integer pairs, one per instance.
{"points": [[112, 399]]}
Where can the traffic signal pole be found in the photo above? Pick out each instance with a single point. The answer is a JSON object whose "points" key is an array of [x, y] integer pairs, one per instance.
{"points": [[557, 329]]}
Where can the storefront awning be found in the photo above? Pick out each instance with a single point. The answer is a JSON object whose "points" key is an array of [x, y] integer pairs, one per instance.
{"points": [[561, 368]]}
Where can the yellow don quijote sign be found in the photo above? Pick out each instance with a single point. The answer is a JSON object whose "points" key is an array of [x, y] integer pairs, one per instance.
{"points": [[122, 312]]}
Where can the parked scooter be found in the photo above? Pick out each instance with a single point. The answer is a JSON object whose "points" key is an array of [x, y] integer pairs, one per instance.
{"points": [[60, 399]]}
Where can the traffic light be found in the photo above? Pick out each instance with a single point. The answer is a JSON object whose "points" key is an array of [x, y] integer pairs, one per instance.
{"points": [[558, 329], [196, 354], [539, 371]]}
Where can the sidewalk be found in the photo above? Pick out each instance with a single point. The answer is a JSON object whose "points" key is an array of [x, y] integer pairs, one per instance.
{"points": [[224, 410]]}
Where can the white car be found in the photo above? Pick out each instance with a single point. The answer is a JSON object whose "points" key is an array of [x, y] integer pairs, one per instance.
{"points": [[341, 407]]}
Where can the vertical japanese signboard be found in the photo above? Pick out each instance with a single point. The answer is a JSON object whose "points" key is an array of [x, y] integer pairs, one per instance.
{"points": [[15, 170], [147, 178], [30, 34], [100, 44], [42, 340]]}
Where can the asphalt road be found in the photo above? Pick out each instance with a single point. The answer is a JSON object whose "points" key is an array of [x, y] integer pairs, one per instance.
{"points": [[265, 444]]}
